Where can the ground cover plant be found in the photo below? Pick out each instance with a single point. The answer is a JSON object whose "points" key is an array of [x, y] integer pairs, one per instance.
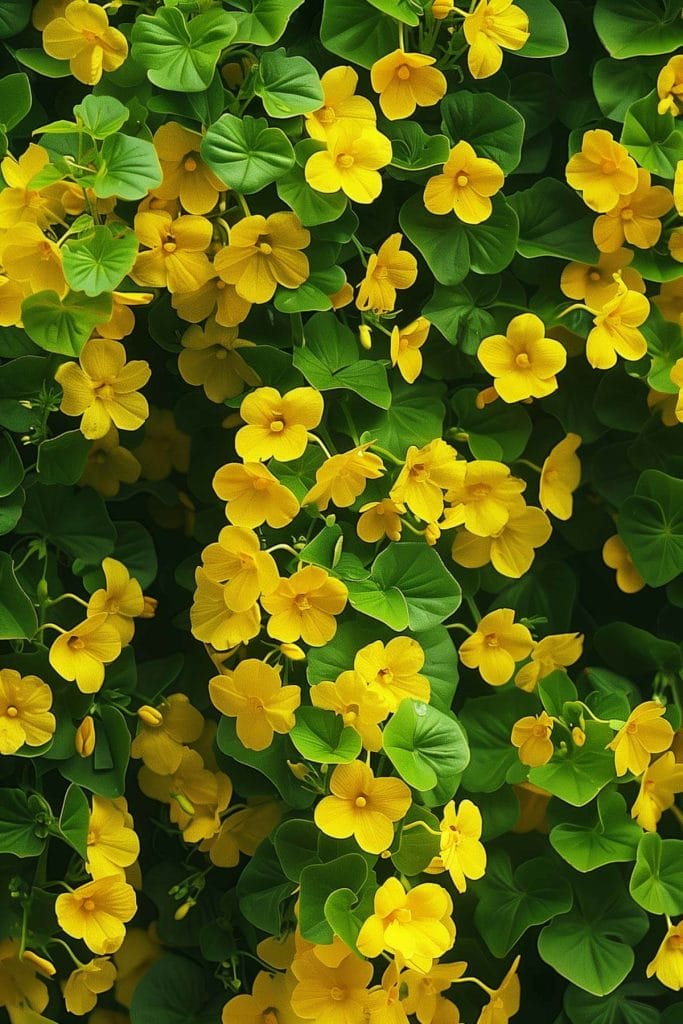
{"points": [[341, 512]]}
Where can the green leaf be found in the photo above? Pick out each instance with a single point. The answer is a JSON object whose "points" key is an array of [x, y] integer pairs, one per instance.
{"points": [[311, 207], [15, 99], [554, 690], [17, 615], [329, 360], [288, 85], [14, 16], [426, 747], [417, 846], [321, 736], [617, 1008], [499, 432], [488, 722], [262, 22], [593, 836], [313, 294], [547, 32], [492, 127], [628, 649], [10, 510], [638, 27], [651, 526], [401, 10], [77, 524], [576, 777], [412, 148], [22, 832], [459, 312], [387, 604], [101, 115], [38, 60], [296, 844], [355, 30], [181, 55], [591, 946], [62, 459], [415, 417], [63, 325], [11, 466], [246, 153], [452, 248], [618, 84], [431, 593], [657, 879], [512, 902], [318, 882], [651, 138], [99, 261], [553, 221], [126, 167], [346, 912], [74, 820], [174, 990], [104, 772], [262, 888], [269, 762]]}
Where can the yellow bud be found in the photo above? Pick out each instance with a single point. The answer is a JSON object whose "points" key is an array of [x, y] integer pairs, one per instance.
{"points": [[183, 802], [183, 910], [149, 607], [486, 397], [365, 336], [84, 740], [42, 965], [432, 533], [385, 854], [441, 9], [299, 771], [293, 652], [578, 736], [150, 716]]}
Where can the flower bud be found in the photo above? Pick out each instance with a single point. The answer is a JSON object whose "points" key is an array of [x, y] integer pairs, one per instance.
{"points": [[578, 736], [150, 716], [486, 397], [183, 910], [432, 533], [293, 652], [84, 740], [441, 9], [150, 605], [183, 802], [365, 336], [45, 967], [299, 771]]}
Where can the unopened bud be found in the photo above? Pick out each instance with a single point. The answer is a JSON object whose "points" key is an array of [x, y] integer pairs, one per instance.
{"points": [[432, 533], [578, 736], [183, 910], [293, 652], [486, 397], [41, 964], [365, 336], [183, 802], [150, 716], [299, 771], [441, 9], [149, 607], [84, 740]]}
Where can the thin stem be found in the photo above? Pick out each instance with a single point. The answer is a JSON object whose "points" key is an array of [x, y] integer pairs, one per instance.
{"points": [[401, 44], [471, 604], [360, 249], [313, 437], [283, 547], [462, 626], [60, 942], [475, 981], [350, 424], [243, 204], [386, 455], [64, 597], [424, 825], [531, 465], [52, 625]]}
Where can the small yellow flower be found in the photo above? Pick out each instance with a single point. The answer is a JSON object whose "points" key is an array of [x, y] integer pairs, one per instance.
{"points": [[602, 170], [254, 496], [96, 912], [392, 671], [335, 994], [84, 37], [645, 732], [270, 998], [33, 260], [253, 694], [19, 203], [667, 965], [264, 252], [121, 599], [460, 849], [496, 646], [211, 620], [340, 104], [523, 362], [615, 330], [635, 218], [210, 359], [484, 499], [213, 298], [359, 706], [243, 830], [405, 345], [557, 651], [414, 926], [165, 448], [351, 163], [670, 87], [163, 732], [175, 254], [109, 465], [304, 607], [19, 985], [426, 474], [103, 388], [511, 551], [492, 26], [531, 735], [659, 784], [25, 716], [503, 1001], [85, 738], [80, 654], [362, 806], [277, 425], [675, 245], [560, 476], [388, 270], [595, 285], [186, 176], [465, 186], [238, 561], [112, 842], [342, 478], [380, 519], [423, 997], [405, 81], [122, 320]]}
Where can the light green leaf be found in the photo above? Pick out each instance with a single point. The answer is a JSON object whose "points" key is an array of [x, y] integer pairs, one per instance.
{"points": [[18, 619], [657, 879], [63, 325], [412, 148], [181, 55], [602, 833], [321, 736], [426, 747], [74, 820], [652, 139], [101, 115], [576, 777], [431, 593], [311, 207], [246, 153], [651, 526], [262, 22], [15, 99], [329, 359], [318, 882], [617, 84], [288, 85], [127, 168], [547, 32], [99, 261], [22, 823], [492, 127], [638, 27]]}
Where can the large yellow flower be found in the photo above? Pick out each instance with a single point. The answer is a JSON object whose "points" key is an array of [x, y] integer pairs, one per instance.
{"points": [[426, 474], [210, 359], [645, 732], [615, 330], [340, 104], [460, 849], [485, 498], [264, 252], [109, 465], [80, 654], [103, 388], [33, 260], [84, 37], [238, 561], [163, 732], [465, 186], [112, 842], [351, 163], [121, 599], [659, 784], [492, 26], [25, 716], [359, 707], [277, 425], [405, 81], [342, 478], [254, 496], [362, 806], [186, 176], [602, 170], [253, 694], [560, 476], [86, 983], [496, 646], [304, 606], [556, 651], [388, 270], [667, 965], [96, 912], [595, 284], [392, 671], [523, 362], [413, 926], [175, 256], [512, 550], [635, 218], [214, 623]]}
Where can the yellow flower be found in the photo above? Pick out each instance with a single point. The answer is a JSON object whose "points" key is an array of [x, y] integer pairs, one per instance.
{"points": [[465, 186], [86, 737], [426, 474], [210, 359], [103, 388], [616, 555], [47, 10], [164, 447], [238, 561], [405, 345], [496, 646], [214, 623], [84, 37], [503, 1001], [675, 245], [254, 496], [34, 260], [557, 651], [213, 298], [423, 997], [667, 965], [484, 499], [393, 671], [602, 170], [196, 796], [351, 162], [253, 694], [660, 782], [560, 476], [80, 654], [21, 203], [270, 999], [122, 320], [264, 252], [121, 599], [511, 551], [362, 806], [360, 707], [19, 986], [96, 912], [414, 926], [405, 81], [186, 176], [380, 519], [616, 330], [676, 376], [340, 104], [335, 995], [670, 87], [492, 26], [176, 251], [163, 731], [112, 842], [12, 294], [86, 983], [523, 362], [25, 716], [531, 735], [304, 607], [595, 285], [645, 732], [635, 218], [109, 465], [342, 478], [139, 951], [242, 831], [678, 187], [277, 425], [387, 270], [461, 851]]}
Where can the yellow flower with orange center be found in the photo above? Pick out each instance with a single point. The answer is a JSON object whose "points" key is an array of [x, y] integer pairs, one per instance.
{"points": [[359, 706], [465, 186], [175, 251], [405, 81], [112, 842], [635, 218], [264, 252], [511, 551], [460, 849], [340, 104], [484, 499], [560, 476], [186, 176], [380, 519], [659, 784], [25, 716], [362, 806], [602, 170], [595, 284], [414, 926], [304, 607], [388, 270], [531, 735], [80, 654], [268, 1002], [84, 37], [426, 474], [277, 425], [34, 260], [238, 561], [254, 496], [86, 983], [96, 913], [493, 25], [351, 163], [523, 362], [19, 201], [496, 646], [556, 651], [405, 344], [210, 359], [213, 298], [645, 732], [254, 696], [213, 622], [342, 478], [615, 331], [336, 994], [392, 671], [503, 1001], [120, 599]]}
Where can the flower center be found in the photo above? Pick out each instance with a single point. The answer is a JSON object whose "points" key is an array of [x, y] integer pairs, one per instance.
{"points": [[480, 490], [345, 160], [381, 273], [255, 705], [302, 603], [489, 21], [491, 640], [627, 214], [632, 728], [88, 905], [220, 353], [277, 425], [403, 72], [327, 115], [190, 164], [676, 942], [403, 915], [539, 731], [385, 675], [419, 472], [170, 245], [44, 250], [270, 1016], [11, 711], [462, 180], [92, 837], [337, 994], [259, 484], [550, 475], [265, 248], [523, 361], [608, 167], [594, 275], [105, 392], [360, 802], [75, 643], [351, 714]]}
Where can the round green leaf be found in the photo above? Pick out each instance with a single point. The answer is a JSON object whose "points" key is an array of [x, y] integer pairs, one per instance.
{"points": [[576, 777], [101, 115], [430, 592], [63, 325], [181, 55], [321, 736], [553, 221], [99, 261], [638, 27], [21, 833], [127, 168], [262, 22], [15, 99], [426, 747], [652, 139], [174, 990], [288, 85], [492, 127], [329, 360], [355, 30], [14, 16], [651, 526], [657, 879], [245, 153], [547, 31], [602, 833]]}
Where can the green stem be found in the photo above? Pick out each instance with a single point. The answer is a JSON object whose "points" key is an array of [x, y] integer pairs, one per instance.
{"points": [[386, 455], [471, 604], [531, 465], [316, 439]]}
